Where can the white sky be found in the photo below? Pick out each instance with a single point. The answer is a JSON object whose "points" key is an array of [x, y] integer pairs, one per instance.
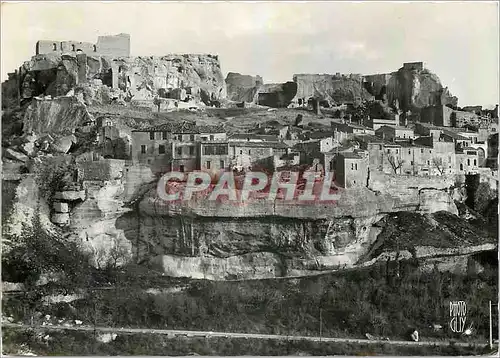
{"points": [[457, 40]]}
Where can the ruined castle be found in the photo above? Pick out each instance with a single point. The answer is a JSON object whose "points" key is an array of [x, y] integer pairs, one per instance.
{"points": [[116, 45]]}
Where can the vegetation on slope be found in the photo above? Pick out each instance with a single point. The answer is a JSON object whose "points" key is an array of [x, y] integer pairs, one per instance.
{"points": [[407, 230], [85, 343], [352, 303]]}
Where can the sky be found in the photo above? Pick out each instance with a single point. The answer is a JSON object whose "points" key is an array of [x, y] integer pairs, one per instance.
{"points": [[458, 41]]}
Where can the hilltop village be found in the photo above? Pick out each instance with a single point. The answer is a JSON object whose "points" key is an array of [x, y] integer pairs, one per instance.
{"points": [[96, 126]]}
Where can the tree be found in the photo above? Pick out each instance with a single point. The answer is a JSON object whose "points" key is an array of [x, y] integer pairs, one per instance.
{"points": [[157, 103], [395, 163], [439, 164]]}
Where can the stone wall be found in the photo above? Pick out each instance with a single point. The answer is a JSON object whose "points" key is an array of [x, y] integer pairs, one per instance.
{"points": [[105, 169], [116, 45]]}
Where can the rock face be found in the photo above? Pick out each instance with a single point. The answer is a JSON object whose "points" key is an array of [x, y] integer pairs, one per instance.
{"points": [[278, 95], [213, 240], [242, 88], [332, 88], [56, 115], [416, 88], [137, 78], [412, 87]]}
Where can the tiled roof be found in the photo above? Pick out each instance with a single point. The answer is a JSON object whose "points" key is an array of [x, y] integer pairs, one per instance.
{"points": [[350, 155], [319, 135], [276, 145], [246, 136], [182, 128], [454, 135]]}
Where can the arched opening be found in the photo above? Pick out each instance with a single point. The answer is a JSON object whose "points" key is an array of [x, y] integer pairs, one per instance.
{"points": [[54, 46], [95, 48], [461, 167], [72, 47]]}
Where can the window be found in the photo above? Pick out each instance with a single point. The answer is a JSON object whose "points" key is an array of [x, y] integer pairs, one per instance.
{"points": [[475, 163], [422, 151], [356, 166], [461, 166], [428, 162], [409, 151], [149, 161], [468, 161], [380, 147], [208, 164], [181, 168], [179, 150], [241, 152], [203, 138], [161, 149], [151, 135], [179, 137], [164, 135], [72, 47], [143, 149], [397, 151], [430, 151], [388, 150], [249, 152], [191, 150], [411, 162], [352, 166], [211, 137], [222, 164], [191, 137], [95, 48]]}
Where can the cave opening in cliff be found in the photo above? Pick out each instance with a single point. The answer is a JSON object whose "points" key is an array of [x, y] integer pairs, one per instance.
{"points": [[107, 78]]}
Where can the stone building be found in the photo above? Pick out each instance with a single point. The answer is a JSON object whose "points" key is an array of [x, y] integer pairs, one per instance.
{"points": [[115, 45], [394, 132], [246, 154], [173, 146], [467, 161], [350, 168]]}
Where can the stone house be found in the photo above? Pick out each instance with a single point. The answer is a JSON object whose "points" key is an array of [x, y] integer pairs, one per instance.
{"points": [[467, 161], [286, 160], [394, 132], [350, 168], [247, 153], [214, 156], [376, 123], [173, 146], [250, 137]]}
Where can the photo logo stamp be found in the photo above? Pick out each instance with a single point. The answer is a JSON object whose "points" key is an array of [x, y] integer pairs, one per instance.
{"points": [[458, 316]]}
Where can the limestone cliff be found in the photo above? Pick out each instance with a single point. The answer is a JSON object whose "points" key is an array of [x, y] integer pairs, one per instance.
{"points": [[138, 78], [417, 88], [412, 86], [333, 88], [54, 115], [242, 88], [214, 240]]}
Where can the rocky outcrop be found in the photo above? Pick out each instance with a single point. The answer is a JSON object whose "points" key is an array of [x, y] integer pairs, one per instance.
{"points": [[55, 115], [332, 88], [242, 88], [276, 95], [417, 88], [137, 78], [216, 240], [410, 88]]}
